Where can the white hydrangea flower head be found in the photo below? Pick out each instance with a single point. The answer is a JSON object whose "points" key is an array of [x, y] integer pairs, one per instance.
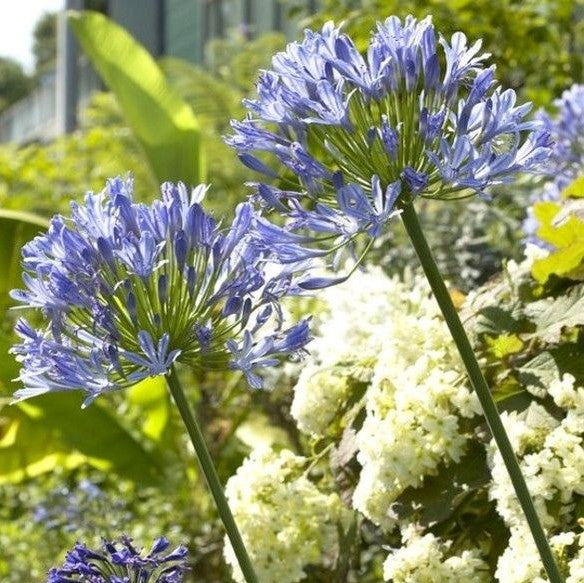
{"points": [[285, 521], [357, 314], [424, 559], [521, 563], [551, 455], [413, 405], [389, 335], [319, 393], [356, 321]]}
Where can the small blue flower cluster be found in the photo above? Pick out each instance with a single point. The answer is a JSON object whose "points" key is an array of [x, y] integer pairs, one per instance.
{"points": [[121, 562], [566, 162], [358, 137], [128, 289], [79, 507]]}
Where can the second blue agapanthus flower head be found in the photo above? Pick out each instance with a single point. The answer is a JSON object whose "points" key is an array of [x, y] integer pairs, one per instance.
{"points": [[356, 137], [128, 289], [121, 562]]}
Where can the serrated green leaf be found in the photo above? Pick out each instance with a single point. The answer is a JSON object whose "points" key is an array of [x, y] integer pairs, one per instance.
{"points": [[567, 237], [537, 374], [569, 359], [436, 499], [511, 396], [504, 345], [544, 213], [562, 262], [495, 320], [163, 123], [552, 315]]}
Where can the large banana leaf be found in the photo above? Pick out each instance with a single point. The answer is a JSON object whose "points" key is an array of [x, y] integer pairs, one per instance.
{"points": [[163, 123], [53, 431], [16, 229]]}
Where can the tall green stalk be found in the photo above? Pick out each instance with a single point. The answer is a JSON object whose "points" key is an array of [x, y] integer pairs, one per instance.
{"points": [[208, 468], [416, 234]]}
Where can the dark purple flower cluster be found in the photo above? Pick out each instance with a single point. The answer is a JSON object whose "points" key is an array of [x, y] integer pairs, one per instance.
{"points": [[128, 289], [121, 562]]}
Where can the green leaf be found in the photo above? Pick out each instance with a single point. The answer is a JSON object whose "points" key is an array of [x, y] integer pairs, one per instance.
{"points": [[504, 345], [559, 236], [563, 262], [438, 496], [53, 430], [552, 315], [16, 229], [509, 395], [10, 367], [27, 449], [537, 374], [569, 358], [495, 320], [214, 100], [151, 397], [163, 123]]}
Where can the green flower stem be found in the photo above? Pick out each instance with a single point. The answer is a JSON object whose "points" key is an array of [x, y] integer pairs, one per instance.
{"points": [[414, 230], [208, 468]]}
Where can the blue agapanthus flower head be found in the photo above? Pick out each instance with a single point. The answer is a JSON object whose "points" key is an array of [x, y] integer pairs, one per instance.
{"points": [[566, 127], [128, 289], [566, 163], [355, 137], [121, 562]]}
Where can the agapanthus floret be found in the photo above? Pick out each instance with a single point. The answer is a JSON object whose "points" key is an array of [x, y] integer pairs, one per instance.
{"points": [[128, 289], [418, 115], [121, 562]]}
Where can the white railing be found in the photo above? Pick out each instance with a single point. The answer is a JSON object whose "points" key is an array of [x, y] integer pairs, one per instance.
{"points": [[35, 116]]}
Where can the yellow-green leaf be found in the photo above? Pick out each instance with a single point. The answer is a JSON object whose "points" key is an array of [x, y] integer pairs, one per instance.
{"points": [[575, 189], [567, 237], [504, 345], [53, 430], [150, 397], [16, 229]]}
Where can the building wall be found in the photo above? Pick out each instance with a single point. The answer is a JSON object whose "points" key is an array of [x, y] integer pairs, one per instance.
{"points": [[144, 20], [184, 29], [190, 24]]}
